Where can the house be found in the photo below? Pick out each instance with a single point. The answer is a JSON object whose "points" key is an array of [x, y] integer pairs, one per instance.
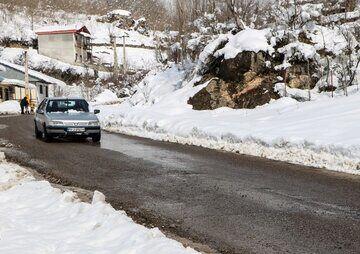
{"points": [[71, 44], [12, 82], [14, 89]]}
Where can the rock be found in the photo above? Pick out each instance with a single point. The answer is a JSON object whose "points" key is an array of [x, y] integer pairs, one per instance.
{"points": [[249, 76], [301, 82], [215, 95], [257, 92], [234, 69], [219, 93]]}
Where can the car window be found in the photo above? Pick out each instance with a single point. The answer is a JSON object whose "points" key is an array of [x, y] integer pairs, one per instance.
{"points": [[67, 106], [42, 105]]}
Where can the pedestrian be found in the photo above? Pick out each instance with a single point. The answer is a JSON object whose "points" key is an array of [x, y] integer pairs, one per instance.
{"points": [[24, 104], [28, 105]]}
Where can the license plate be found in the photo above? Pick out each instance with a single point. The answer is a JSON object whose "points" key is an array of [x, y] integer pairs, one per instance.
{"points": [[76, 129]]}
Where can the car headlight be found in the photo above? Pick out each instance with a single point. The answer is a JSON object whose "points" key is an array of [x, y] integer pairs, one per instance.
{"points": [[94, 123], [56, 123]]}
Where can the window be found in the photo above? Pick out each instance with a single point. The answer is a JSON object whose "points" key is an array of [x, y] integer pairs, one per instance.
{"points": [[46, 91], [41, 89], [67, 105], [42, 105]]}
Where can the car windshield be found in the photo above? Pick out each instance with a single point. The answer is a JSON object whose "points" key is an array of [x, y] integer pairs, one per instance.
{"points": [[67, 106]]}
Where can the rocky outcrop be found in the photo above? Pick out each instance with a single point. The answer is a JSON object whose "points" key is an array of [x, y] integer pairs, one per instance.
{"points": [[233, 70], [219, 93], [302, 76]]}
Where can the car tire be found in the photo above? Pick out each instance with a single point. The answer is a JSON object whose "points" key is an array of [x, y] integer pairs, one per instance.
{"points": [[38, 133], [46, 137], [96, 138]]}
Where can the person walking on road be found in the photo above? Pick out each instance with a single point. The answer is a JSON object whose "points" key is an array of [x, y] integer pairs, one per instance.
{"points": [[24, 103]]}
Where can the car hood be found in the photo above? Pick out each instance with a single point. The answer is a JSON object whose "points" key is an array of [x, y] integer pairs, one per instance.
{"points": [[81, 116]]}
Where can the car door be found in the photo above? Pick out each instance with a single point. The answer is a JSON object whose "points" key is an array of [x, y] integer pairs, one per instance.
{"points": [[40, 115]]}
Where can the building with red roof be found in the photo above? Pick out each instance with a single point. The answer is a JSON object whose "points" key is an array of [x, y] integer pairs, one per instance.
{"points": [[71, 44]]}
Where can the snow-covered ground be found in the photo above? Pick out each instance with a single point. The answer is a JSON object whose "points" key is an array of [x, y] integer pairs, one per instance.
{"points": [[41, 62], [136, 58], [321, 133], [16, 25], [10, 108], [37, 218]]}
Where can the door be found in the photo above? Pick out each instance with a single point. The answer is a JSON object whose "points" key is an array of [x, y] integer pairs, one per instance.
{"points": [[7, 94], [40, 115]]}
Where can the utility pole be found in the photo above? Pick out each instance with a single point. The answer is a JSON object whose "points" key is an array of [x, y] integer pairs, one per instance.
{"points": [[27, 73], [285, 80], [124, 36], [116, 62], [332, 83]]}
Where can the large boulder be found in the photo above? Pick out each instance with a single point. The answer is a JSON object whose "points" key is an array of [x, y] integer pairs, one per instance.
{"points": [[219, 93], [233, 70]]}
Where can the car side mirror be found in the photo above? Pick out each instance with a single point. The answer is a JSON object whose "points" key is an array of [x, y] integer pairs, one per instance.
{"points": [[40, 111], [96, 111]]}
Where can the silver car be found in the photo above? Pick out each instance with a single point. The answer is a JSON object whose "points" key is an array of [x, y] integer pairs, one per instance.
{"points": [[64, 117]]}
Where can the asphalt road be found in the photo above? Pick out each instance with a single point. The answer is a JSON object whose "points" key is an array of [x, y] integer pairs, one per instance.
{"points": [[233, 203]]}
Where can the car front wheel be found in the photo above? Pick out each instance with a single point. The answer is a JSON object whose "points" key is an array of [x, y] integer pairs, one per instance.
{"points": [[46, 136], [96, 138], [37, 132]]}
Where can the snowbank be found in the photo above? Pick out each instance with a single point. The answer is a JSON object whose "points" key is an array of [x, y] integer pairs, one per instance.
{"points": [[10, 108], [37, 218], [105, 98], [321, 133]]}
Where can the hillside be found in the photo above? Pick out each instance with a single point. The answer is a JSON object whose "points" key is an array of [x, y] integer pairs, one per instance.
{"points": [[265, 90]]}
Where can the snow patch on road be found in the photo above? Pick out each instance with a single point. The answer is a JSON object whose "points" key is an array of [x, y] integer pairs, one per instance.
{"points": [[10, 108], [37, 218]]}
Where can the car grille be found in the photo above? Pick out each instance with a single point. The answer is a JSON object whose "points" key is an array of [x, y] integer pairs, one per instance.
{"points": [[76, 123]]}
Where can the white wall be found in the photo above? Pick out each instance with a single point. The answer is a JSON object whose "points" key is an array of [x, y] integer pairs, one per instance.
{"points": [[58, 46]]}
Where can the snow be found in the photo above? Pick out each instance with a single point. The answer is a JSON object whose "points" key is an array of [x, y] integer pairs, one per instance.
{"points": [[32, 73], [121, 13], [59, 28], [37, 218], [247, 40], [17, 26], [321, 133], [10, 108], [15, 82], [212, 46], [331, 40], [106, 97], [10, 56], [298, 49], [136, 58]]}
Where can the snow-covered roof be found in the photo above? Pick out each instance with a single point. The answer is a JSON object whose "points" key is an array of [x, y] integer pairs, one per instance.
{"points": [[17, 82], [62, 29], [32, 73]]}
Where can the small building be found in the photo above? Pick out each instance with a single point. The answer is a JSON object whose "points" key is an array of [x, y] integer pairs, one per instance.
{"points": [[12, 83], [71, 44], [13, 89]]}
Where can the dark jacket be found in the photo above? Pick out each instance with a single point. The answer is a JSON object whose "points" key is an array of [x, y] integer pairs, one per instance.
{"points": [[24, 102]]}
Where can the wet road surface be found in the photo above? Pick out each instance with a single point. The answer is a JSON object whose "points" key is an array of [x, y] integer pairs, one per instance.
{"points": [[233, 203]]}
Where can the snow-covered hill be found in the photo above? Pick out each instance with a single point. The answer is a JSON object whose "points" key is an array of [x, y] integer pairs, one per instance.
{"points": [[17, 28]]}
